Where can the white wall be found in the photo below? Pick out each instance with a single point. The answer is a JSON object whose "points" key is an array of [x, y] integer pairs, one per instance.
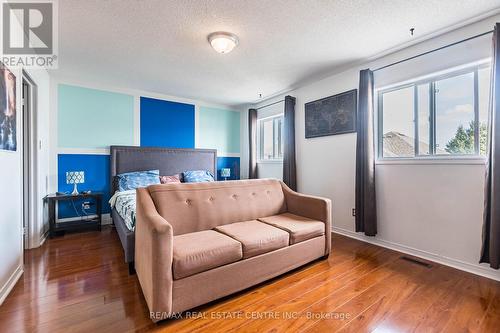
{"points": [[270, 170], [434, 208], [11, 238], [11, 215], [430, 210]]}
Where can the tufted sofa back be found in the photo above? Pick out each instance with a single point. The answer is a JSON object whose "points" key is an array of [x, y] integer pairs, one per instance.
{"points": [[203, 206]]}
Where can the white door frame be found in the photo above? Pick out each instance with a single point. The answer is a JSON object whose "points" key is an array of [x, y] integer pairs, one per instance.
{"points": [[32, 239]]}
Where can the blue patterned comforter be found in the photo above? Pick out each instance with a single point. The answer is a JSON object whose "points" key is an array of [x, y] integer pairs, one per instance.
{"points": [[124, 203]]}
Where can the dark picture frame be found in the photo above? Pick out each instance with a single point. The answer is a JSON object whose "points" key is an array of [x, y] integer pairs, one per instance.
{"points": [[8, 109], [331, 115]]}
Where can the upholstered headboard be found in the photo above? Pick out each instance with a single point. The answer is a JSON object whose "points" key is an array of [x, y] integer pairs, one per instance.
{"points": [[169, 161]]}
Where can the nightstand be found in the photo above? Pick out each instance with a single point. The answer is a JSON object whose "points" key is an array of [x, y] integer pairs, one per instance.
{"points": [[88, 223]]}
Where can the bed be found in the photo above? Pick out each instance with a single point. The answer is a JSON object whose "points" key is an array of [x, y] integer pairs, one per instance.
{"points": [[169, 161]]}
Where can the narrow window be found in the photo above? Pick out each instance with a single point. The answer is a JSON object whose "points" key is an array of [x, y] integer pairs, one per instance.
{"points": [[271, 138]]}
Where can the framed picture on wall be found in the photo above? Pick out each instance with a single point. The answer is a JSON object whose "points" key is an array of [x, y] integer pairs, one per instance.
{"points": [[8, 140], [331, 115]]}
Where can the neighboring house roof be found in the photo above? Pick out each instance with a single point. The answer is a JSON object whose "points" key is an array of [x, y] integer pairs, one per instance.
{"points": [[399, 145]]}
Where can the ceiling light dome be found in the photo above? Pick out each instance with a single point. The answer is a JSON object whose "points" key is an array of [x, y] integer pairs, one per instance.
{"points": [[223, 42]]}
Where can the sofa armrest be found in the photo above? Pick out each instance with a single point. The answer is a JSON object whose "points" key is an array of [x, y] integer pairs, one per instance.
{"points": [[315, 208], [153, 256]]}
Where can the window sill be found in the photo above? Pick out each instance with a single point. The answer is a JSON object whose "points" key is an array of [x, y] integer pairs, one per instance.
{"points": [[270, 162], [473, 160]]}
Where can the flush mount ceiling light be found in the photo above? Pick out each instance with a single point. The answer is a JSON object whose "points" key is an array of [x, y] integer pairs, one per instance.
{"points": [[223, 42]]}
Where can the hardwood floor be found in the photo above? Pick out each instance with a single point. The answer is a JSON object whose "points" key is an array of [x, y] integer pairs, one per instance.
{"points": [[79, 283]]}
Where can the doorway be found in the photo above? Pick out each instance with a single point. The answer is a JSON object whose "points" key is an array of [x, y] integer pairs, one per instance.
{"points": [[29, 158]]}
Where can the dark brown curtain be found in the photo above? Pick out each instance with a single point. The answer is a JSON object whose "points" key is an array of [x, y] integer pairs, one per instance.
{"points": [[366, 208], [289, 167], [252, 143], [490, 252]]}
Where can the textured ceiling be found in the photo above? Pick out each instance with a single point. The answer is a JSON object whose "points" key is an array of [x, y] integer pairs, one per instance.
{"points": [[160, 46]]}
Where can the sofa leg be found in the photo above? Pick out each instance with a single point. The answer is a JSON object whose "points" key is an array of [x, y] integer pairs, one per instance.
{"points": [[131, 268]]}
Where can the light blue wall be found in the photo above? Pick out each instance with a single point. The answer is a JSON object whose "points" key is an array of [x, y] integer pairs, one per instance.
{"points": [[89, 118], [219, 129]]}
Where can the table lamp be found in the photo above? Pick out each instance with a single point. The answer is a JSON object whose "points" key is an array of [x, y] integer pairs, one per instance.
{"points": [[225, 172], [75, 177]]}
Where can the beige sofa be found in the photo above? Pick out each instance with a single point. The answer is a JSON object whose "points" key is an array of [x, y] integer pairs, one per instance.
{"points": [[198, 242]]}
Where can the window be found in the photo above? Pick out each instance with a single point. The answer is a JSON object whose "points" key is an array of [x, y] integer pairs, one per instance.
{"points": [[271, 138], [442, 116]]}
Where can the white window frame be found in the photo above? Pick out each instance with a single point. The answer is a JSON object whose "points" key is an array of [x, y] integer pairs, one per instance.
{"points": [[428, 79], [260, 139]]}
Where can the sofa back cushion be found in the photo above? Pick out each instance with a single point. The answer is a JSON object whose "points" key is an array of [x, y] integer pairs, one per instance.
{"points": [[191, 207]]}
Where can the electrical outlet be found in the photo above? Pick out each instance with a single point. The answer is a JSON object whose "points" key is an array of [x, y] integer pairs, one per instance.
{"points": [[354, 212], [86, 205]]}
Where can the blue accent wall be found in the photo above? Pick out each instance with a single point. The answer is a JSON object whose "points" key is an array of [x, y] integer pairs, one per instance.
{"points": [[111, 117], [229, 162], [96, 168], [166, 124]]}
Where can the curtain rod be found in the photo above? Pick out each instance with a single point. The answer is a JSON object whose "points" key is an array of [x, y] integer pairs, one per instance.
{"points": [[434, 50], [270, 104]]}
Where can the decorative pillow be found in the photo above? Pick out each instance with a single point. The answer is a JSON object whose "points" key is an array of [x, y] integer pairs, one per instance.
{"points": [[198, 176], [134, 180], [170, 179]]}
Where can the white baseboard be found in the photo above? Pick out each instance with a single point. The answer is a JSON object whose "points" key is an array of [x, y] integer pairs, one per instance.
{"points": [[11, 282], [43, 238], [477, 269]]}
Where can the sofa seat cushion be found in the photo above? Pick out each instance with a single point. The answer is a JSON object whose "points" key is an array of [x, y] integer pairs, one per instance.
{"points": [[300, 228], [203, 250], [256, 237]]}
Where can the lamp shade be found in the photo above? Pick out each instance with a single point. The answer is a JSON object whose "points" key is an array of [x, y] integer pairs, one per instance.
{"points": [[75, 177], [225, 172]]}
